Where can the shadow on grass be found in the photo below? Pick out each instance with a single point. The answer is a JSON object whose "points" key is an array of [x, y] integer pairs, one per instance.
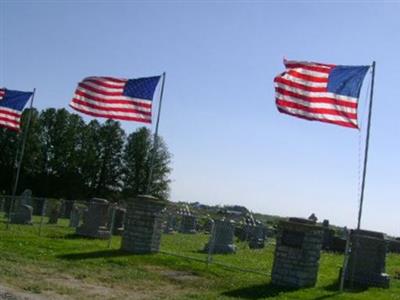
{"points": [[334, 287], [259, 291], [95, 254], [74, 236]]}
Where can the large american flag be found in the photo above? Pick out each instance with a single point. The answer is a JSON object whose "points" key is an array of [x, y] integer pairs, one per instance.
{"points": [[320, 92], [115, 98], [12, 104]]}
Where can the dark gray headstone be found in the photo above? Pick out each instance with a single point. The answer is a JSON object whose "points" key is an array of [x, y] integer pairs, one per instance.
{"points": [[257, 237], [367, 260], [26, 198], [188, 224], [95, 220], [23, 215], [222, 238], [75, 216]]}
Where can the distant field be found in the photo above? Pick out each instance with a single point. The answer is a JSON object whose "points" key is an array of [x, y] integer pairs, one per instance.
{"points": [[59, 265]]}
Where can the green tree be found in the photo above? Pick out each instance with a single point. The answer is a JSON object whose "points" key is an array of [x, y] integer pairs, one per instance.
{"points": [[137, 159], [110, 143]]}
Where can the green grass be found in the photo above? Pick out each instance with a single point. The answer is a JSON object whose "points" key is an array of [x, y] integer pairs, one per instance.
{"points": [[59, 263]]}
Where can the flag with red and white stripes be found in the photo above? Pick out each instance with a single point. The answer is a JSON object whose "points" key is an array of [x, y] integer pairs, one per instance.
{"points": [[114, 98], [12, 104], [320, 92]]}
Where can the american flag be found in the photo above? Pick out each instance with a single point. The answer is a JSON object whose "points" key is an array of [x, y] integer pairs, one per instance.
{"points": [[320, 92], [115, 98], [12, 104]]}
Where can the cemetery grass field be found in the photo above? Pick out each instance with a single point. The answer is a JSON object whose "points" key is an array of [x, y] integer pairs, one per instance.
{"points": [[60, 265]]}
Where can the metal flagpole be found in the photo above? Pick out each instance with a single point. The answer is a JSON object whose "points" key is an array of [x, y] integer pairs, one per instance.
{"points": [[14, 191], [366, 147], [155, 145]]}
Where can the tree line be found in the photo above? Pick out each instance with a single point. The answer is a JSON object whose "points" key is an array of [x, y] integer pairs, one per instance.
{"points": [[68, 158]]}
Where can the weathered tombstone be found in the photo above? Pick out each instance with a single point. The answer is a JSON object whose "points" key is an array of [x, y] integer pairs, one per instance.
{"points": [[23, 215], [54, 213], [257, 237], [119, 219], [95, 220], [38, 206], [68, 206], [75, 216], [367, 260], [222, 238], [26, 198], [188, 224], [169, 224], [297, 253], [143, 220]]}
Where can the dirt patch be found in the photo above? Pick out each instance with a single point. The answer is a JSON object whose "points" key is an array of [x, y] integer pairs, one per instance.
{"points": [[180, 276], [7, 293]]}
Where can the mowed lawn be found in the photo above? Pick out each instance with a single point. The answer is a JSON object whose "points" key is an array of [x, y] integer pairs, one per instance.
{"points": [[60, 265]]}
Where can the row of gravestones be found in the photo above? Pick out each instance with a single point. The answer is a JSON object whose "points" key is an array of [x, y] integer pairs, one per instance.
{"points": [[297, 252], [254, 234], [298, 244]]}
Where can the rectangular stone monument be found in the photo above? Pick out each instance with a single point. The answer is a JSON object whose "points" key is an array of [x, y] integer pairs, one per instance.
{"points": [[95, 220], [257, 237], [54, 212], [297, 253], [75, 216], [23, 215], [143, 222], [222, 238], [188, 224], [367, 260]]}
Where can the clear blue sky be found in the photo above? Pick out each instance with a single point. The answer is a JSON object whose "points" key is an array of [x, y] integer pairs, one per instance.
{"points": [[229, 144]]}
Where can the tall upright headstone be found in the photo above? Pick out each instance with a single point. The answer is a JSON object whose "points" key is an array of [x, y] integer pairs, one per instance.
{"points": [[95, 220], [188, 224], [75, 216], [24, 210], [222, 238], [367, 260], [143, 225], [297, 253], [257, 237], [26, 198]]}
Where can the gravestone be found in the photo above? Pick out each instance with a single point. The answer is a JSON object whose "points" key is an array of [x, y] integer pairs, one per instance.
{"points": [[75, 216], [222, 238], [143, 221], [367, 260], [38, 205], [297, 253], [26, 198], [257, 237], [95, 220], [23, 215], [54, 213], [119, 219], [169, 224], [188, 224]]}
